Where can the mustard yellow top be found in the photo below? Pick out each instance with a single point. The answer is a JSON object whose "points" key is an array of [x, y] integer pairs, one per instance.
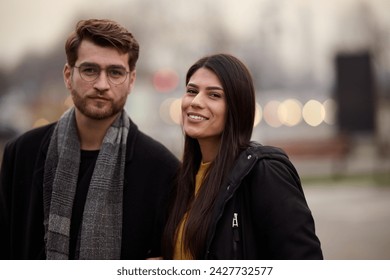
{"points": [[179, 252]]}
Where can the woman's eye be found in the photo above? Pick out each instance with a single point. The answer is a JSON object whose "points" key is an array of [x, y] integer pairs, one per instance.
{"points": [[214, 95], [191, 91]]}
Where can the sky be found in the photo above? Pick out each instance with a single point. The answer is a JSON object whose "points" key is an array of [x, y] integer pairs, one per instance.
{"points": [[38, 24]]}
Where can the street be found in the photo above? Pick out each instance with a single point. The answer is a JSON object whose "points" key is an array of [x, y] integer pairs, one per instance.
{"points": [[352, 221]]}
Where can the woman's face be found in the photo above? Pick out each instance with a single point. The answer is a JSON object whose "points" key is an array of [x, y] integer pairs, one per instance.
{"points": [[204, 106]]}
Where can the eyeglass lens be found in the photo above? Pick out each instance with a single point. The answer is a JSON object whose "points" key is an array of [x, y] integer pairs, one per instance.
{"points": [[90, 72]]}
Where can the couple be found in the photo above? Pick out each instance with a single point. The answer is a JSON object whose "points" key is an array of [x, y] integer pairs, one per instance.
{"points": [[92, 186]]}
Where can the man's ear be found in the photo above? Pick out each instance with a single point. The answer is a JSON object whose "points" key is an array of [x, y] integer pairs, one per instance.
{"points": [[67, 76], [132, 77]]}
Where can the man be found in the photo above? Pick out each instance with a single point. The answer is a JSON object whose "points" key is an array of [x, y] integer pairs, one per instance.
{"points": [[90, 186]]}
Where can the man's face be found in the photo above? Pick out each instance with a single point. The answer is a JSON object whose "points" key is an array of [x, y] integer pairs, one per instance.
{"points": [[101, 98]]}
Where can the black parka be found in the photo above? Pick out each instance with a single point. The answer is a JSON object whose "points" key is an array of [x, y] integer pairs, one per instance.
{"points": [[149, 173], [261, 211]]}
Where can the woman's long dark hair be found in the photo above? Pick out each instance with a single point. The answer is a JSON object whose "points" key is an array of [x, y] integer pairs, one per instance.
{"points": [[240, 100]]}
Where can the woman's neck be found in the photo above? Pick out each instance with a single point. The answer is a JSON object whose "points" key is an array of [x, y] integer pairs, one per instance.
{"points": [[209, 149]]}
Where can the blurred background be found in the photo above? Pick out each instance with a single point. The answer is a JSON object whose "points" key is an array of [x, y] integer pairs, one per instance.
{"points": [[322, 78]]}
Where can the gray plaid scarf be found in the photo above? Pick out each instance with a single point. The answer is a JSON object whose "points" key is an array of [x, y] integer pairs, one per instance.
{"points": [[101, 227]]}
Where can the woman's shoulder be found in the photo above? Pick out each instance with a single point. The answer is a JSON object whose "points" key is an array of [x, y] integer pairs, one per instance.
{"points": [[268, 157], [272, 162], [264, 151], [257, 157]]}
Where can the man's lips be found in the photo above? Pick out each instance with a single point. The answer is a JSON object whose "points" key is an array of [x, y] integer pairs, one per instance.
{"points": [[96, 97]]}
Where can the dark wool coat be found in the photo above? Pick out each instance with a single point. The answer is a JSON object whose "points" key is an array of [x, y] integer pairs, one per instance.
{"points": [[149, 172], [261, 212]]}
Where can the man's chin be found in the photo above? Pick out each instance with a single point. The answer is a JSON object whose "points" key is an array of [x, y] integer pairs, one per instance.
{"points": [[98, 114]]}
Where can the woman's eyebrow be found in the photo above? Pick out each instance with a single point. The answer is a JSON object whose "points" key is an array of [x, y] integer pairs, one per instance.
{"points": [[208, 88]]}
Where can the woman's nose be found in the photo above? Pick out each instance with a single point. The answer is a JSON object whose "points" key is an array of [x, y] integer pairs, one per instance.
{"points": [[198, 100]]}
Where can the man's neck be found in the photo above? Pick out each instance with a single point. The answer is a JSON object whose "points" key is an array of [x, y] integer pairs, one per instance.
{"points": [[92, 132]]}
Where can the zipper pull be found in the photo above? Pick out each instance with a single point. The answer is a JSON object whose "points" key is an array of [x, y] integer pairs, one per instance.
{"points": [[235, 220]]}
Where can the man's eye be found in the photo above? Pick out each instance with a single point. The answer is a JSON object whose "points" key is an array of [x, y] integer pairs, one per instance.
{"points": [[116, 72], [90, 70]]}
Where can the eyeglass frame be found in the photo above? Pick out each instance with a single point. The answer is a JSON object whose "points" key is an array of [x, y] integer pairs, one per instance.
{"points": [[93, 65]]}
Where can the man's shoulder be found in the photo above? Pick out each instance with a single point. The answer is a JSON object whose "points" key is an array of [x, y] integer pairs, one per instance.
{"points": [[147, 142], [149, 148], [32, 137]]}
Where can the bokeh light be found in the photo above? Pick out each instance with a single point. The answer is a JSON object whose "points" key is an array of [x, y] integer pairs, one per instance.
{"points": [[271, 113], [68, 102], [40, 122], [290, 112], [165, 80], [175, 111], [170, 111], [258, 115], [313, 113]]}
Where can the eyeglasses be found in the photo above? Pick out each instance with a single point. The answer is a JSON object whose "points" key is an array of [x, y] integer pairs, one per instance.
{"points": [[90, 72]]}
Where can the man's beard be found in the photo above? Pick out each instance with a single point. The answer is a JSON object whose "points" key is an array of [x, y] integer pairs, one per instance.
{"points": [[94, 112]]}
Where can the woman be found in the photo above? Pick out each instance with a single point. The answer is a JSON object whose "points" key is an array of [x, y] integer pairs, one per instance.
{"points": [[234, 198]]}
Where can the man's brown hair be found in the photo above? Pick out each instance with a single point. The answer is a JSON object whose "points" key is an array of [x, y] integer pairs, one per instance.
{"points": [[104, 33]]}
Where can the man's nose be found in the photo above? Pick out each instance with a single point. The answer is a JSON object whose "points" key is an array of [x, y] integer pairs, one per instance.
{"points": [[102, 82]]}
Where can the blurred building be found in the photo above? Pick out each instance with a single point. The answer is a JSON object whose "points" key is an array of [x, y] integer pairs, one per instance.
{"points": [[297, 50]]}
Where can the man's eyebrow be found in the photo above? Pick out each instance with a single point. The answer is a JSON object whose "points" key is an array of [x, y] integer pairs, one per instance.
{"points": [[116, 66], [89, 64], [97, 65]]}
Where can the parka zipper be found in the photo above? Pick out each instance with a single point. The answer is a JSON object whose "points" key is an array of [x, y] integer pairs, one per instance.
{"points": [[247, 170], [236, 235]]}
